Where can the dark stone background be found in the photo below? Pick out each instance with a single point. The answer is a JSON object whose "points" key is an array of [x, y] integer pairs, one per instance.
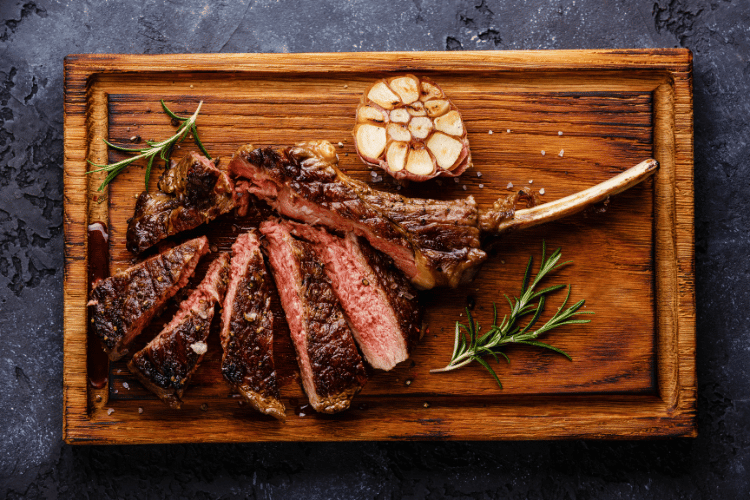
{"points": [[34, 39]]}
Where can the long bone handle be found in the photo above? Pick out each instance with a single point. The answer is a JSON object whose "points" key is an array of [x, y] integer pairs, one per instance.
{"points": [[574, 203]]}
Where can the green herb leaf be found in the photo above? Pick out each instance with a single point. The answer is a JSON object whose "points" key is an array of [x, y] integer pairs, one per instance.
{"points": [[476, 347], [161, 148]]}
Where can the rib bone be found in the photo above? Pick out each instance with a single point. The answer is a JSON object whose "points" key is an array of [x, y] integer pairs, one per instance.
{"points": [[569, 205]]}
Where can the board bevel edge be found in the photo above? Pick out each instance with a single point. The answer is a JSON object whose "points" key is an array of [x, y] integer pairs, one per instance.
{"points": [[672, 413]]}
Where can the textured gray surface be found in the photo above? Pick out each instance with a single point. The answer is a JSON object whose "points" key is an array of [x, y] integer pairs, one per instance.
{"points": [[35, 37]]}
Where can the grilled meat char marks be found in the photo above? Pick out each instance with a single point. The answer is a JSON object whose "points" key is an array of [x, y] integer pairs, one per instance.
{"points": [[331, 368], [192, 192], [124, 304], [167, 363], [379, 301], [247, 329], [433, 242]]}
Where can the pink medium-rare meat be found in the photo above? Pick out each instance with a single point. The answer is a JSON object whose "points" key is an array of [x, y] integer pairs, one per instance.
{"points": [[247, 329], [331, 368], [191, 193], [433, 242], [167, 363], [379, 301], [124, 304]]}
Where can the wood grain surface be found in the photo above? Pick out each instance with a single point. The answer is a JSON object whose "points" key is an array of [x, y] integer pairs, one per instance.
{"points": [[633, 369]]}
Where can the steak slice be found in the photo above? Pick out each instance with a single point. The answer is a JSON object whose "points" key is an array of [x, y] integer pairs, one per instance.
{"points": [[433, 242], [330, 365], [379, 301], [192, 192], [166, 364], [125, 303], [247, 329]]}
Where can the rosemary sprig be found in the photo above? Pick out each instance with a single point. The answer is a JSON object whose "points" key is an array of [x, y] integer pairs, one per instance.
{"points": [[162, 148], [475, 347]]}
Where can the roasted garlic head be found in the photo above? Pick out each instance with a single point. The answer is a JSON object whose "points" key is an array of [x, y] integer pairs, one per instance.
{"points": [[409, 128]]}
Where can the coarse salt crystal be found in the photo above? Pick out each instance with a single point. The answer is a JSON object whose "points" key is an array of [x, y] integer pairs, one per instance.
{"points": [[509, 186], [489, 132], [481, 186], [543, 152], [341, 144], [464, 186], [561, 153], [140, 410], [373, 173], [541, 191], [455, 179], [199, 347], [110, 411], [531, 181], [125, 385], [509, 131], [479, 174], [559, 133]]}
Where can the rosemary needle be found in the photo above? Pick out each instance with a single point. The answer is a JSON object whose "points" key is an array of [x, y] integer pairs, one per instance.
{"points": [[162, 148], [476, 347]]}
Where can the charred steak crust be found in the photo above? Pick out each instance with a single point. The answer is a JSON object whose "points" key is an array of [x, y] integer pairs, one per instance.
{"points": [[124, 304], [433, 242], [167, 363], [336, 371], [192, 192], [402, 296], [247, 329]]}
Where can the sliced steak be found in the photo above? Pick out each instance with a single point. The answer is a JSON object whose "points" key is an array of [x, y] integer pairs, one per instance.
{"points": [[433, 242], [379, 301], [166, 364], [192, 192], [125, 303], [330, 365], [247, 329]]}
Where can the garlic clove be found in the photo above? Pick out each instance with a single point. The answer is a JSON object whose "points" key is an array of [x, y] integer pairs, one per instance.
{"points": [[436, 107], [396, 156], [420, 127], [367, 114], [420, 162], [416, 109], [370, 140], [398, 132], [446, 149], [383, 96], [406, 87], [400, 115], [450, 123], [430, 91]]}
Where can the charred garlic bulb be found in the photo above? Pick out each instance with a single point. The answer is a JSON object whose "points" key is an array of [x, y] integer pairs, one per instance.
{"points": [[409, 128]]}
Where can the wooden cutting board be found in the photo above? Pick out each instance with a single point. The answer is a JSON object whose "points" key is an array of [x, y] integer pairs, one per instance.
{"points": [[558, 120]]}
